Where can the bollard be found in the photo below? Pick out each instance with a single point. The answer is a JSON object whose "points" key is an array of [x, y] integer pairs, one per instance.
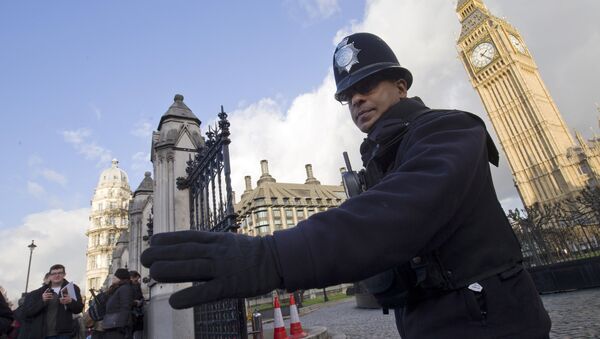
{"points": [[257, 328]]}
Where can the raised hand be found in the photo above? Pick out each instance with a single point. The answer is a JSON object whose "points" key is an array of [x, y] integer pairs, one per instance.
{"points": [[229, 265], [47, 295]]}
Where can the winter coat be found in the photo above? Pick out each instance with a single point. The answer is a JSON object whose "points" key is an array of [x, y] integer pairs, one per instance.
{"points": [[118, 306], [6, 316], [34, 312]]}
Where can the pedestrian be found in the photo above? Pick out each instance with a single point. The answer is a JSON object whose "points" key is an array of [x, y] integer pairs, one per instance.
{"points": [[138, 305], [49, 310], [117, 321], [6, 314], [25, 324], [423, 226]]}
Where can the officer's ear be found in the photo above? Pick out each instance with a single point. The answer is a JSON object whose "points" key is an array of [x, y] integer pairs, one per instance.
{"points": [[402, 87]]}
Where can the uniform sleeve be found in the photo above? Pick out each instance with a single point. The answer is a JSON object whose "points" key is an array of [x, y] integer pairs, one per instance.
{"points": [[397, 218]]}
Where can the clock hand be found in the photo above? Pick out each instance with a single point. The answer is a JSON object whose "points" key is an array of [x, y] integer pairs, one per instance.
{"points": [[485, 56]]}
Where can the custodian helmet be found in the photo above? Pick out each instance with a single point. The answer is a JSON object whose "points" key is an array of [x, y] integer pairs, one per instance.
{"points": [[362, 54]]}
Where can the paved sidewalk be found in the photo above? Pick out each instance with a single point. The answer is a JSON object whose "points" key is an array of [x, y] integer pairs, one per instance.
{"points": [[574, 315]]}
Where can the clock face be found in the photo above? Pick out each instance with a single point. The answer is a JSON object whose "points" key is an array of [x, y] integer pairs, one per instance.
{"points": [[517, 43], [483, 54]]}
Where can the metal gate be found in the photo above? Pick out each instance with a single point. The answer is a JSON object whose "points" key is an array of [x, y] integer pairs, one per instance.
{"points": [[211, 209]]}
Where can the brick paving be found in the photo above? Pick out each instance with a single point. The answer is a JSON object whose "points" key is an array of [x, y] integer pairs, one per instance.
{"points": [[574, 315]]}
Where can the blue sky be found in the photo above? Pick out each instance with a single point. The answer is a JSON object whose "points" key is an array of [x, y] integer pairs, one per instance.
{"points": [[112, 68], [84, 82]]}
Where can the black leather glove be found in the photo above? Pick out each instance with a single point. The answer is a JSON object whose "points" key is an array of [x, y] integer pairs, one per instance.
{"points": [[229, 265]]}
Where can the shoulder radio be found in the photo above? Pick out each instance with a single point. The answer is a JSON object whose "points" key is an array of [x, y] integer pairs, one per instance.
{"points": [[354, 182]]}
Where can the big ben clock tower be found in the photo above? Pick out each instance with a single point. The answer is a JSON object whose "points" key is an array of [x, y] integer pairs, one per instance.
{"points": [[545, 162]]}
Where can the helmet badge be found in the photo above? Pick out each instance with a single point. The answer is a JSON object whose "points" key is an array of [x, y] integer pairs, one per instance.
{"points": [[346, 56]]}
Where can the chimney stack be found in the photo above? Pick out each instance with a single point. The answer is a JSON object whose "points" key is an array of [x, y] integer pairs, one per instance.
{"points": [[310, 179], [265, 176], [248, 180]]}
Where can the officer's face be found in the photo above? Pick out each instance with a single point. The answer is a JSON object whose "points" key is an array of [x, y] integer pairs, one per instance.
{"points": [[366, 107]]}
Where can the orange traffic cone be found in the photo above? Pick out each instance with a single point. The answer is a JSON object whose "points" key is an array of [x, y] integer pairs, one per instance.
{"points": [[295, 325], [279, 328]]}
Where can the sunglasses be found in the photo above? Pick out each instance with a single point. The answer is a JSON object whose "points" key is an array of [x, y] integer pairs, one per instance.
{"points": [[363, 87]]}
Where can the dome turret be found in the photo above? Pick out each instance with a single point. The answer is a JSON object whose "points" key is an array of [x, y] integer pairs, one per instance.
{"points": [[113, 177]]}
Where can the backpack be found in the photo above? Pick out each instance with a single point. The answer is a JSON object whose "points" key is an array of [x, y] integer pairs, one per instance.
{"points": [[97, 308]]}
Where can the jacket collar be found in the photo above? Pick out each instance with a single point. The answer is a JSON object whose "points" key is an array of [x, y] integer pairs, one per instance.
{"points": [[391, 126], [49, 285]]}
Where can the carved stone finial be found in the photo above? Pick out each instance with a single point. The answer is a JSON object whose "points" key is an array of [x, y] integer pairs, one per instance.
{"points": [[178, 97]]}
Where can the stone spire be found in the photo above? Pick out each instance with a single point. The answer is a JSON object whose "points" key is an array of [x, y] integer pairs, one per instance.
{"points": [[178, 110], [147, 184]]}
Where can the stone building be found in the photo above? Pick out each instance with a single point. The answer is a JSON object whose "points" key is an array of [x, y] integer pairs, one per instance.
{"points": [[131, 243], [272, 206], [108, 220], [546, 164]]}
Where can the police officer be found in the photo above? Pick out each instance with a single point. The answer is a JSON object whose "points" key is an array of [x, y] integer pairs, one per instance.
{"points": [[427, 234]]}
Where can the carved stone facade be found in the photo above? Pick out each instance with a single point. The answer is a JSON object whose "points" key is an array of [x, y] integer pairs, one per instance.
{"points": [[175, 142], [140, 214], [108, 220], [546, 163]]}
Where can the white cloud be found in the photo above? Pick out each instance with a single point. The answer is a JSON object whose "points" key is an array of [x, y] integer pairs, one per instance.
{"points": [[142, 129], [89, 149], [511, 203], [34, 160], [319, 8], [76, 137], [315, 129], [60, 237], [423, 34], [140, 163], [36, 190], [54, 176], [97, 111], [93, 151]]}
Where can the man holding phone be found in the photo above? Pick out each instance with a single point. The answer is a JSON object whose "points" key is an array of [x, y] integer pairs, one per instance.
{"points": [[49, 309]]}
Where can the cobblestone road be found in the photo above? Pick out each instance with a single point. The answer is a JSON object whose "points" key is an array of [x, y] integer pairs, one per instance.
{"points": [[574, 315]]}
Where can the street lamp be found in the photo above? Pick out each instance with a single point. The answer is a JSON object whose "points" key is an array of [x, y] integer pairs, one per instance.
{"points": [[31, 246]]}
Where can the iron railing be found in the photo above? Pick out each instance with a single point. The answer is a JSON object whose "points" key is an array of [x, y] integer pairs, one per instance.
{"points": [[211, 209]]}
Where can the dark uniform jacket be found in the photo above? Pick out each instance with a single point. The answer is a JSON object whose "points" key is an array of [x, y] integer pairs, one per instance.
{"points": [[435, 197], [34, 312]]}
